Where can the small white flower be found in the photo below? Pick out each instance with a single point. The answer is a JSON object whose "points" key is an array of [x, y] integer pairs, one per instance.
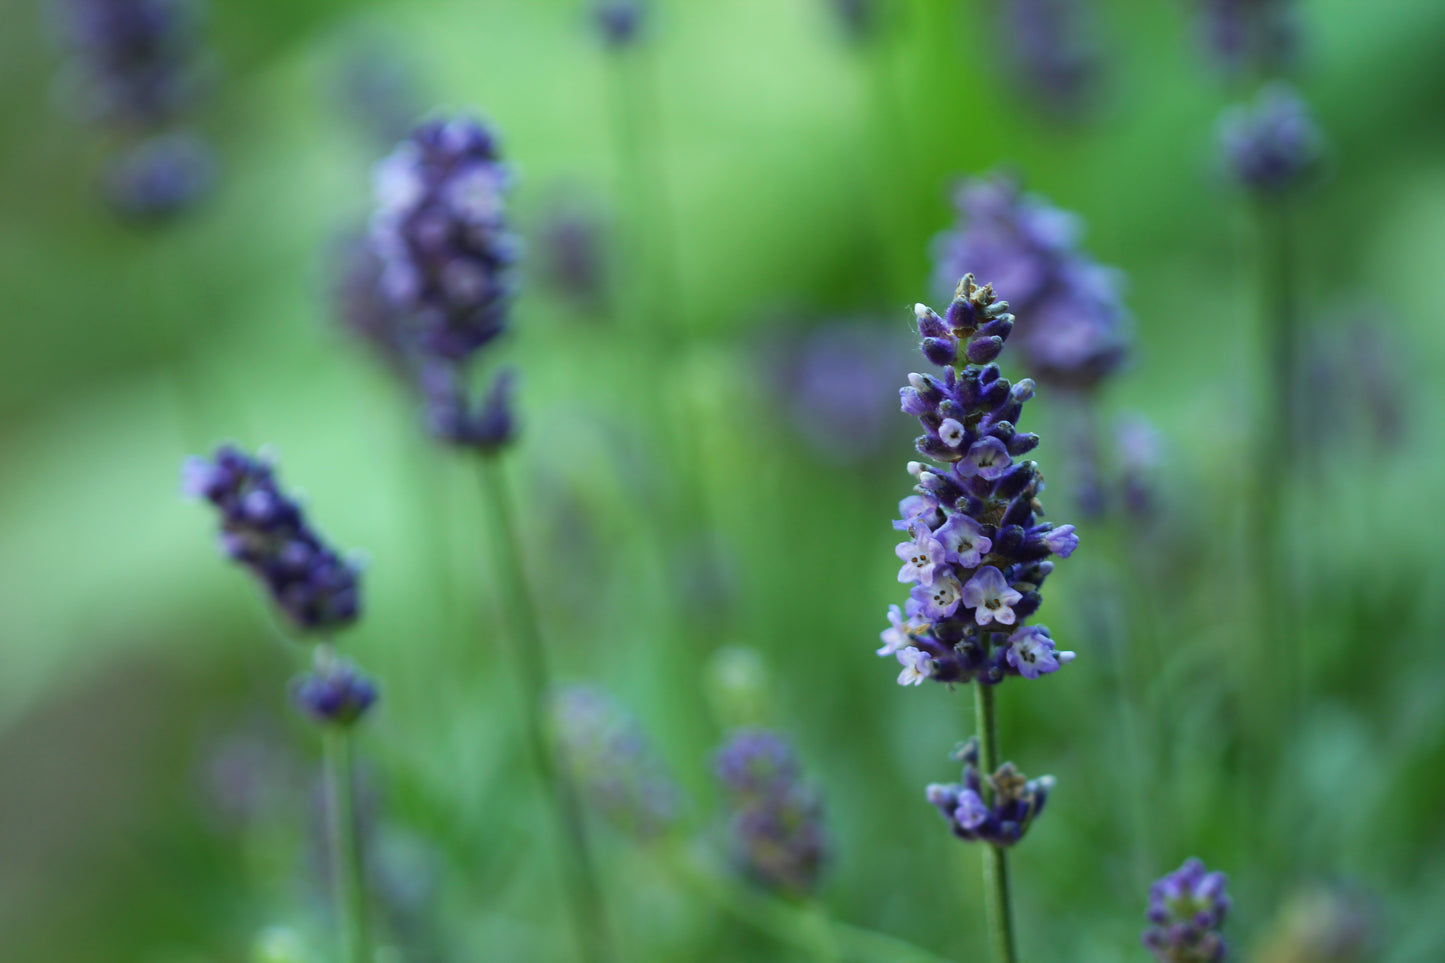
{"points": [[917, 666], [951, 432], [920, 557], [963, 539], [939, 600], [989, 595], [900, 632]]}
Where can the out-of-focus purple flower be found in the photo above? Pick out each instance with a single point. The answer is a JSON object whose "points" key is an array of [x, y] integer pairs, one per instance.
{"points": [[1016, 801], [1140, 449], [1186, 909], [777, 825], [1351, 386], [1323, 924], [133, 62], [1054, 52], [247, 775], [1271, 145], [607, 753], [160, 177], [1075, 331], [859, 18], [454, 417], [1248, 35], [977, 552], [334, 692], [266, 531], [571, 250], [619, 22], [834, 382], [441, 232]]}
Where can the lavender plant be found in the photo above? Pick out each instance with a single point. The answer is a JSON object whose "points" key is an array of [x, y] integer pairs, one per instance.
{"points": [[317, 591], [777, 832], [446, 255], [1054, 52], [977, 556], [1248, 36], [133, 69], [1186, 910], [619, 22], [1273, 145]]}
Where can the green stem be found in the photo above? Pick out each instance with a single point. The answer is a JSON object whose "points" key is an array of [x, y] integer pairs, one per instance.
{"points": [[347, 880], [995, 858], [533, 670]]}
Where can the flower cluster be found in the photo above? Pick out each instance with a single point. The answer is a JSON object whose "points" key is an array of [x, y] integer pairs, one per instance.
{"points": [[1075, 331], [976, 553], [1054, 53], [1245, 35], [1272, 145], [266, 531], [133, 68], [1187, 908], [858, 18], [446, 256], [608, 755], [619, 22], [1015, 801], [334, 692], [777, 824]]}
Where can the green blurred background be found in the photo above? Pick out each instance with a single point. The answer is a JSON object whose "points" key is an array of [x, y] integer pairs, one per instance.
{"points": [[803, 176]]}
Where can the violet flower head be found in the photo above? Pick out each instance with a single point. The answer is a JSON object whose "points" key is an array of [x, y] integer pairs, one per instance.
{"points": [[777, 820], [267, 532], [485, 425], [160, 177], [1075, 331], [619, 22], [441, 232], [132, 62], [859, 18], [975, 550], [1248, 35], [607, 753], [1272, 145], [1054, 53], [1186, 909], [1016, 801], [572, 249], [334, 693]]}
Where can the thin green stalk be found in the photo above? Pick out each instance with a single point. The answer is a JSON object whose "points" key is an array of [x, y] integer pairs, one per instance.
{"points": [[995, 858], [534, 672], [347, 880]]}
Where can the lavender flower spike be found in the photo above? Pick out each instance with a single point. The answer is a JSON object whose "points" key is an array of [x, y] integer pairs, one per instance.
{"points": [[1272, 145], [777, 825], [977, 553], [1016, 801], [334, 692], [1187, 907], [266, 531], [619, 22]]}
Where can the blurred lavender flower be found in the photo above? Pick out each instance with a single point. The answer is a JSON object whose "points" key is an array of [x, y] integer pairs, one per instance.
{"points": [[446, 255], [1272, 145], [247, 774], [333, 692], [976, 552], [608, 755], [1054, 52], [1187, 907], [160, 177], [1140, 449], [777, 824], [572, 254], [1075, 332], [1322, 925], [858, 17], [619, 22], [834, 382], [1248, 35], [133, 62], [1016, 801], [267, 532]]}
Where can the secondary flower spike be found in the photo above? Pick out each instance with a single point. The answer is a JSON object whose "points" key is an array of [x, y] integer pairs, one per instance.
{"points": [[1016, 801], [1272, 145], [976, 552], [1073, 331], [777, 823], [1187, 907], [267, 532]]}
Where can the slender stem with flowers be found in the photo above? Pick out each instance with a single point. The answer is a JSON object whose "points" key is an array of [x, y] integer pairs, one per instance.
{"points": [[977, 556]]}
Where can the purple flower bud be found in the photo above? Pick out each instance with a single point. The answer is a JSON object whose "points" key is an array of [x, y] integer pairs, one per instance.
{"points": [[1016, 801], [1187, 907], [334, 693]]}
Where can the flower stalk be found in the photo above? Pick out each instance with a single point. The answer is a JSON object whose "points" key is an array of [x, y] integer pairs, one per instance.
{"points": [[347, 875], [995, 859], [534, 673]]}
